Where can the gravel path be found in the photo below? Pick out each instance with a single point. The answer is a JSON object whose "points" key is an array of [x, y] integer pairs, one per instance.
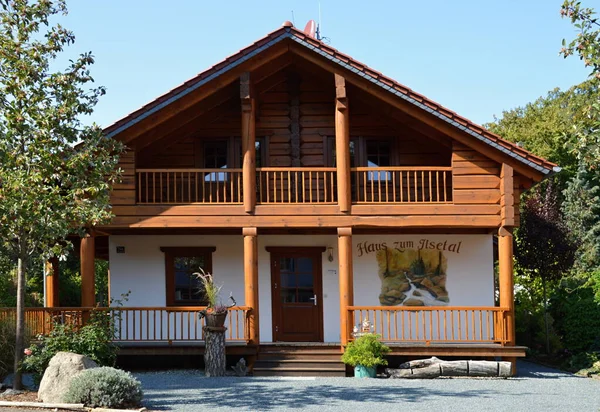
{"points": [[535, 389]]}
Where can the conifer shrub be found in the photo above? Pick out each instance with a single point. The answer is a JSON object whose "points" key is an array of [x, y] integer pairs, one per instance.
{"points": [[105, 387]]}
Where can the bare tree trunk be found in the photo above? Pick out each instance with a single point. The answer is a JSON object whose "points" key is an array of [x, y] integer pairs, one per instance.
{"points": [[546, 315], [20, 332]]}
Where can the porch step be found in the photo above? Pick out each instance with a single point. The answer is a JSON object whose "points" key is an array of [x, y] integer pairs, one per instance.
{"points": [[299, 361]]}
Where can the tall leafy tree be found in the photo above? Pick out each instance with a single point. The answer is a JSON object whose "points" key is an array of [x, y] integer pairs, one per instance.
{"points": [[581, 208], [544, 247], [586, 45], [55, 171]]}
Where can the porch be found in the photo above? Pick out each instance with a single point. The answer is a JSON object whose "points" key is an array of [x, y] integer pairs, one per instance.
{"points": [[455, 331]]}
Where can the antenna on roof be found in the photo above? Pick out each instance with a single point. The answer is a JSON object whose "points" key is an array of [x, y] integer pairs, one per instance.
{"points": [[319, 25], [293, 21]]}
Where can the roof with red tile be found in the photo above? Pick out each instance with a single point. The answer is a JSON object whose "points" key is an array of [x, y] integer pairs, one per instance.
{"points": [[347, 62]]}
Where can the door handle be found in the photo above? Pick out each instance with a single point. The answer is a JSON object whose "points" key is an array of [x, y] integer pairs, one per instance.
{"points": [[314, 299]]}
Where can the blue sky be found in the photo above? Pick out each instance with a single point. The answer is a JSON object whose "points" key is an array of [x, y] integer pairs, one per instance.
{"points": [[477, 58]]}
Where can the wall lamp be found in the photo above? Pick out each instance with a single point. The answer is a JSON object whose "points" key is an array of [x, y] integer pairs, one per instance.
{"points": [[330, 254]]}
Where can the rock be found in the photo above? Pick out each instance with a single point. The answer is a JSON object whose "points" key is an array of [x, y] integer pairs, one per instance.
{"points": [[63, 367], [414, 302], [10, 392], [417, 293]]}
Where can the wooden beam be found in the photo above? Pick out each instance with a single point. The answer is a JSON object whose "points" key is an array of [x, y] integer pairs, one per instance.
{"points": [[52, 284], [248, 142], [507, 198], [251, 282], [184, 119], [297, 210], [201, 93], [305, 221], [346, 279], [88, 284], [294, 90], [416, 112], [342, 145], [506, 284]]}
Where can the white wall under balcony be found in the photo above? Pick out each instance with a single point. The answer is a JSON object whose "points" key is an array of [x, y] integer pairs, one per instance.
{"points": [[141, 269]]}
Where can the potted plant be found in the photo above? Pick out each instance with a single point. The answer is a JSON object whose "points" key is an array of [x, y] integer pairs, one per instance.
{"points": [[365, 354], [216, 312]]}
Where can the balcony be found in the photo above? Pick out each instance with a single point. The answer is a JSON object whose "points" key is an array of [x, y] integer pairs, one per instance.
{"points": [[295, 185]]}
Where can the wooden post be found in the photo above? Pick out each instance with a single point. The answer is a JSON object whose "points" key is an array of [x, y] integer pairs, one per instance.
{"points": [[506, 285], [248, 142], [52, 289], [87, 255], [251, 282], [342, 144], [346, 281], [507, 198]]}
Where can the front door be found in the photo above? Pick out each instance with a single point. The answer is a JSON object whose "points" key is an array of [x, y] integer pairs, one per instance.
{"points": [[296, 287]]}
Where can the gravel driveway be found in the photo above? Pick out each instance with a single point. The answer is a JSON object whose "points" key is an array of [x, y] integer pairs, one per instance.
{"points": [[535, 389]]}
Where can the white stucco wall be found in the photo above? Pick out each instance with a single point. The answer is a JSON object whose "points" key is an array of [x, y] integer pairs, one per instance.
{"points": [[141, 269]]}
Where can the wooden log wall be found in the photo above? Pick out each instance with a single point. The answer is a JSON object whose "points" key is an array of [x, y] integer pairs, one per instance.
{"points": [[476, 178], [124, 193]]}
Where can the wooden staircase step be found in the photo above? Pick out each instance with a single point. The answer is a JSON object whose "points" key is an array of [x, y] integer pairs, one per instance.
{"points": [[298, 371]]}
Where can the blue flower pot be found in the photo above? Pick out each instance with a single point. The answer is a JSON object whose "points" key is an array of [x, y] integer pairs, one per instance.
{"points": [[364, 372]]}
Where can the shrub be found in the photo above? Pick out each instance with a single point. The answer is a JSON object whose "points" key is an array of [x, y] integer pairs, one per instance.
{"points": [[93, 340], [367, 351], [105, 388], [7, 346]]}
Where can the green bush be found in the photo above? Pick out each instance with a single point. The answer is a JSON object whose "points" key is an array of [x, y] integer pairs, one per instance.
{"points": [[367, 351], [105, 388], [7, 346], [93, 340], [583, 363], [576, 314]]}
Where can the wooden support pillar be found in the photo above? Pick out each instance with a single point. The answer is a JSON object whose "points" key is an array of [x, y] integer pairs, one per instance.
{"points": [[248, 142], [346, 281], [51, 278], [251, 282], [342, 145], [507, 198], [506, 285], [88, 283]]}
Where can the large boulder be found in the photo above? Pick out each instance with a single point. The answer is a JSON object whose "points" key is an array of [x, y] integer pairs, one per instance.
{"points": [[61, 370]]}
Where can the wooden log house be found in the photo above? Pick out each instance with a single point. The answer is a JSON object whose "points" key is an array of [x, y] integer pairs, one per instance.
{"points": [[321, 194]]}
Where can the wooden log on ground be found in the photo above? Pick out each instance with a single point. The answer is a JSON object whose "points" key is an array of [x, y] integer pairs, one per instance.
{"points": [[434, 368], [214, 354]]}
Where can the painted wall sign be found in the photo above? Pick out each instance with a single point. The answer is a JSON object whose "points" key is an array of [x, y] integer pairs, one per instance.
{"points": [[412, 272]]}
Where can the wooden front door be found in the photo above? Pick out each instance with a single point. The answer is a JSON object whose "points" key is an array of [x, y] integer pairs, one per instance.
{"points": [[297, 298]]}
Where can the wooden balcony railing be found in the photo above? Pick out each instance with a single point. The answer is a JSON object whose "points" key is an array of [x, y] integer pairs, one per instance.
{"points": [[434, 324], [173, 186], [296, 185], [401, 184], [137, 324]]}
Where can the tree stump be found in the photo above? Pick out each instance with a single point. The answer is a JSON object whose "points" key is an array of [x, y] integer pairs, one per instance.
{"points": [[214, 353], [434, 367]]}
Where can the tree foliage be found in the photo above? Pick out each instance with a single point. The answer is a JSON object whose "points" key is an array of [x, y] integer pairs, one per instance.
{"points": [[55, 172]]}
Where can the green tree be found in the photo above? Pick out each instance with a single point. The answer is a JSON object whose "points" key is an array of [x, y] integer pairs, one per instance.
{"points": [[586, 45], [544, 247], [55, 172], [581, 208], [545, 126]]}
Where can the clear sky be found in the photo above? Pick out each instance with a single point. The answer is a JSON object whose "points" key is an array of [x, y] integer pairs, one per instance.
{"points": [[476, 57]]}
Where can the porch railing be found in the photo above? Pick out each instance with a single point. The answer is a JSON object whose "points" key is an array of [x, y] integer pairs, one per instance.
{"points": [[434, 324], [401, 184], [296, 185], [178, 186], [137, 324]]}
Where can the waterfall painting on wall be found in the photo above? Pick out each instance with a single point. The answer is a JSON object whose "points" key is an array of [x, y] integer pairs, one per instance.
{"points": [[412, 277]]}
